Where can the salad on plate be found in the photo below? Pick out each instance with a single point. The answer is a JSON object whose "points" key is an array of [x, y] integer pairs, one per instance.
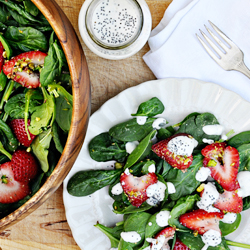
{"points": [[35, 102], [182, 186]]}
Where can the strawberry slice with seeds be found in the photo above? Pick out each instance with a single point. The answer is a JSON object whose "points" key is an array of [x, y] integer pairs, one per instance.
{"points": [[18, 127], [165, 149], [180, 245], [224, 165], [22, 68], [201, 220], [24, 165], [229, 202], [214, 150], [10, 189], [135, 187], [161, 239]]}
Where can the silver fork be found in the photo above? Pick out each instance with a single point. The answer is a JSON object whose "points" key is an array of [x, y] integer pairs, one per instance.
{"points": [[228, 57]]}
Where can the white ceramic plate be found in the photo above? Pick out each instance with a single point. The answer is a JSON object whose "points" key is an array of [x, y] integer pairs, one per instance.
{"points": [[180, 97]]}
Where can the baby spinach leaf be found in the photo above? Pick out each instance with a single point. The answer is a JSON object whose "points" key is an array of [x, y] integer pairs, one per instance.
{"points": [[194, 124], [162, 168], [4, 14], [31, 8], [182, 206], [132, 209], [146, 166], [103, 147], [239, 139], [150, 108], [40, 147], [3, 81], [246, 203], [244, 152], [26, 38], [229, 228], [131, 130], [56, 137], [164, 133], [19, 18], [141, 150], [185, 182], [87, 182]]}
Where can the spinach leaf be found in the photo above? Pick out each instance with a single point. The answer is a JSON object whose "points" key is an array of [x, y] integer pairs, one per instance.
{"points": [[131, 130], [194, 124], [103, 147], [87, 182], [40, 147], [185, 182], [239, 139], [182, 206], [130, 209], [26, 38], [4, 14], [162, 168], [164, 133], [141, 150], [244, 152], [229, 228], [57, 136], [150, 108], [18, 18], [246, 203], [31, 8]]}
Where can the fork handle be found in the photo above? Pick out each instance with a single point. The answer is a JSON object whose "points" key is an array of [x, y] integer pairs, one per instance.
{"points": [[241, 67]]}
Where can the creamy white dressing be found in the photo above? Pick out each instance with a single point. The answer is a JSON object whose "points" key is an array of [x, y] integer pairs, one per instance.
{"points": [[244, 181], [158, 243], [117, 189], [211, 238], [162, 218], [215, 129], [229, 218], [151, 168], [127, 171], [131, 237], [130, 146], [182, 145], [141, 120], [171, 188], [159, 123], [202, 174], [156, 193], [208, 141]]}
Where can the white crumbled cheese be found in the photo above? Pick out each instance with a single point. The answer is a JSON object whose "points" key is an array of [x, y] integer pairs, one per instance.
{"points": [[162, 218], [159, 123], [150, 224], [215, 129], [158, 243], [209, 197], [130, 146], [182, 145], [156, 193], [202, 174], [224, 137], [229, 218], [141, 120], [117, 189], [127, 171], [211, 238], [208, 141], [171, 188], [151, 168], [244, 181], [131, 237]]}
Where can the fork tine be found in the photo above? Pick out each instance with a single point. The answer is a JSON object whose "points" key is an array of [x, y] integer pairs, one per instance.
{"points": [[209, 51], [223, 36], [223, 46], [211, 43]]}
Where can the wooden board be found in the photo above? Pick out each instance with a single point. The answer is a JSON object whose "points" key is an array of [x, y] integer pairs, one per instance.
{"points": [[47, 228]]}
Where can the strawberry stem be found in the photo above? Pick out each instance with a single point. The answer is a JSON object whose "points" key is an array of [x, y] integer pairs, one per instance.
{"points": [[237, 244], [5, 152]]}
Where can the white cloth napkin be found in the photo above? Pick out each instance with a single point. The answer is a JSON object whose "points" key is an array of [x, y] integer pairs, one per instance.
{"points": [[176, 52]]}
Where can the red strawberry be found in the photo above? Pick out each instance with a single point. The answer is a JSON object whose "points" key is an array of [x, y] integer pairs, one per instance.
{"points": [[229, 202], [214, 150], [20, 68], [24, 165], [180, 246], [168, 234], [135, 187], [18, 127], [177, 161], [10, 189], [224, 165], [201, 220], [1, 56]]}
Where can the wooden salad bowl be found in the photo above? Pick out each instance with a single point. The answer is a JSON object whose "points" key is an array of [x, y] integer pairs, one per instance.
{"points": [[81, 109]]}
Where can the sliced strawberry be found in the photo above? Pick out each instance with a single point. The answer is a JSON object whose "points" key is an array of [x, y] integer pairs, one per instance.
{"points": [[177, 161], [1, 56], [24, 165], [135, 187], [10, 189], [201, 220], [21, 68], [225, 169], [229, 202], [161, 239], [214, 150], [180, 246], [18, 127]]}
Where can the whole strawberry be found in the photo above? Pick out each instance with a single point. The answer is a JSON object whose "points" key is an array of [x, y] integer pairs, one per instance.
{"points": [[180, 245], [24, 165], [18, 128]]}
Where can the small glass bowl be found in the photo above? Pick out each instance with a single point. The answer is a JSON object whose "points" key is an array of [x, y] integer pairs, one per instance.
{"points": [[115, 29]]}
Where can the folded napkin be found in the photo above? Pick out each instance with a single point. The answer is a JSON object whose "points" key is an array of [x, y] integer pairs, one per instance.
{"points": [[176, 52]]}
